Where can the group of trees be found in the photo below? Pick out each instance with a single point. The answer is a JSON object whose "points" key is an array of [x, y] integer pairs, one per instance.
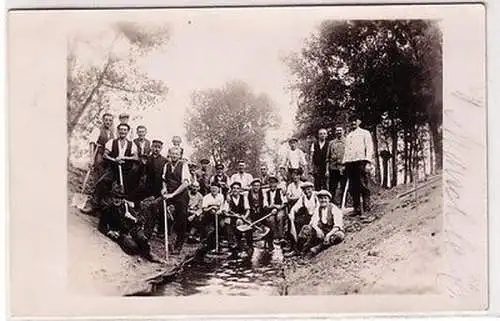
{"points": [[230, 124], [390, 73], [103, 73]]}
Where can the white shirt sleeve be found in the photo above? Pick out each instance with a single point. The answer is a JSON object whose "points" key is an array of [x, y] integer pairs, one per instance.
{"points": [[186, 175], [94, 135], [338, 217], [312, 148], [369, 146], [205, 203], [109, 145], [283, 197], [295, 208], [133, 150], [303, 161]]}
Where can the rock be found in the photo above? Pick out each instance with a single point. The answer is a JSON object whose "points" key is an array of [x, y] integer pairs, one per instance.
{"points": [[433, 233], [373, 253]]}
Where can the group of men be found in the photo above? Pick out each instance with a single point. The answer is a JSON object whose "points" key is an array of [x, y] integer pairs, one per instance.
{"points": [[136, 187]]}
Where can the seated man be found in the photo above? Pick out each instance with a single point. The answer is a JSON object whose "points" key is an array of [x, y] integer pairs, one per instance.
{"points": [[325, 229], [195, 210], [293, 190], [301, 212], [118, 222], [212, 208], [276, 203], [257, 202], [236, 204]]}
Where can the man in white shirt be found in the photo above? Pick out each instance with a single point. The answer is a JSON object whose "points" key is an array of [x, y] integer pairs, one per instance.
{"points": [[143, 144], [176, 180], [123, 152], [293, 190], [124, 118], [294, 158], [245, 179], [212, 208], [358, 156], [325, 229], [319, 150]]}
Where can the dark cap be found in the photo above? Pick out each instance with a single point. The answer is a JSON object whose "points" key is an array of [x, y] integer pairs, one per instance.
{"points": [[293, 139], [256, 180], [273, 178], [204, 161], [235, 183], [219, 166], [156, 141]]}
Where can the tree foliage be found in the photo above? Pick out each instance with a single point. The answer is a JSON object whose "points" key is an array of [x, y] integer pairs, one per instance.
{"points": [[229, 124], [103, 70], [389, 72]]}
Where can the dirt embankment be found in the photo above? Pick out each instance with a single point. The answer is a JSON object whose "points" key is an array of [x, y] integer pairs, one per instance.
{"points": [[396, 254], [97, 265]]}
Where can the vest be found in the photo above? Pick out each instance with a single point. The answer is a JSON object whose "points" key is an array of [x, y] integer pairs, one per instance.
{"points": [[303, 209], [256, 205], [173, 178], [237, 208], [104, 136], [277, 197], [319, 155], [147, 147], [114, 148], [327, 227], [224, 179]]}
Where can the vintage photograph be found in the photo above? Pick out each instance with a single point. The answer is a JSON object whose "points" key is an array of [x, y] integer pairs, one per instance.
{"points": [[212, 154]]}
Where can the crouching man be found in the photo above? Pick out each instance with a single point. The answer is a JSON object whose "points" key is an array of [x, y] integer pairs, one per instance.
{"points": [[119, 222], [325, 229]]}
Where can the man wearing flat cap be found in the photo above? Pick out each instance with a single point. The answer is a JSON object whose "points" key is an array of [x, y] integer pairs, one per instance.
{"points": [[335, 158], [276, 203], [221, 179], [204, 176], [325, 229], [257, 202], [358, 157], [236, 203]]}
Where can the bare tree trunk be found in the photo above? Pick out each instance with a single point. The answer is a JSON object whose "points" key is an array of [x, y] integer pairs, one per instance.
{"points": [[411, 157], [431, 153], [394, 178], [438, 144], [377, 158], [405, 155]]}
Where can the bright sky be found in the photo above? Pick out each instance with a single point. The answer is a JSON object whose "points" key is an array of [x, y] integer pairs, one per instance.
{"points": [[210, 51]]}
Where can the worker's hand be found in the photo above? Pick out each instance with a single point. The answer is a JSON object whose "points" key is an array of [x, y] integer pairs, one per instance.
{"points": [[327, 173], [274, 210], [191, 218], [130, 217], [164, 193], [368, 167]]}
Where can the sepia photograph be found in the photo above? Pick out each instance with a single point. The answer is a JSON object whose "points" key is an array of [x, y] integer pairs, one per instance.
{"points": [[207, 157], [259, 161]]}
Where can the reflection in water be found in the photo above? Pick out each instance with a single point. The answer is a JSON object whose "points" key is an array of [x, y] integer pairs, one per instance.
{"points": [[230, 276]]}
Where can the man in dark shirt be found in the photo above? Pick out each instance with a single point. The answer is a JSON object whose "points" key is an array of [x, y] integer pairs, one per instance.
{"points": [[318, 160]]}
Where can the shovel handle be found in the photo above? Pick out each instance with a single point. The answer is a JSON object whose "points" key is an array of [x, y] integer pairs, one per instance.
{"points": [[120, 174], [166, 227], [344, 197]]}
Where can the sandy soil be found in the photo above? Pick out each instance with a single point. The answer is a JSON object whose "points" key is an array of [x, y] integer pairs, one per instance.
{"points": [[98, 266], [398, 253]]}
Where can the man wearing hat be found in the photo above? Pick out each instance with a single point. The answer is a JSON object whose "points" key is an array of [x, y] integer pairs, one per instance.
{"points": [[294, 158], [122, 224], [221, 179], [204, 176], [236, 203], [124, 118], [358, 157], [264, 176], [335, 157], [293, 190], [301, 212], [212, 208], [276, 203], [241, 176], [176, 178], [257, 202], [318, 159], [325, 229]]}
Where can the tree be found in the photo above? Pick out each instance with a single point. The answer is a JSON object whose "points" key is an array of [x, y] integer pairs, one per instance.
{"points": [[102, 69], [384, 71], [229, 124]]}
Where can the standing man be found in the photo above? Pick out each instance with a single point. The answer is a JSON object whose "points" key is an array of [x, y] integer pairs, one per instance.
{"points": [[294, 158], [176, 179], [98, 139], [204, 176], [318, 159], [221, 179], [335, 158], [142, 143], [121, 151], [358, 157], [154, 186], [245, 179], [264, 176]]}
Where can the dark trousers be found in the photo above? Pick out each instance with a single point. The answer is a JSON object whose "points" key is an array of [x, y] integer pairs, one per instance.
{"points": [[180, 219], [358, 184], [320, 180], [337, 178], [277, 224]]}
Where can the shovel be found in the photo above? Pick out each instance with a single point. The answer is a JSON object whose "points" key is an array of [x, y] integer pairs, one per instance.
{"points": [[248, 227], [80, 199], [260, 231], [166, 227]]}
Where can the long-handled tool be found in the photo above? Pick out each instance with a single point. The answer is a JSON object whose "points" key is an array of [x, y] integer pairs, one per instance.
{"points": [[127, 212], [248, 227], [216, 232], [166, 227], [344, 195], [80, 199], [260, 231]]}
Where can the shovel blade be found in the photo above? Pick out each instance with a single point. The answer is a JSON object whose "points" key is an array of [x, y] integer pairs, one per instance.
{"points": [[79, 200], [244, 228]]}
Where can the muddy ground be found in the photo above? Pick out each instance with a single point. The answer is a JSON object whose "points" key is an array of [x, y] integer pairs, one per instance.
{"points": [[399, 253]]}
